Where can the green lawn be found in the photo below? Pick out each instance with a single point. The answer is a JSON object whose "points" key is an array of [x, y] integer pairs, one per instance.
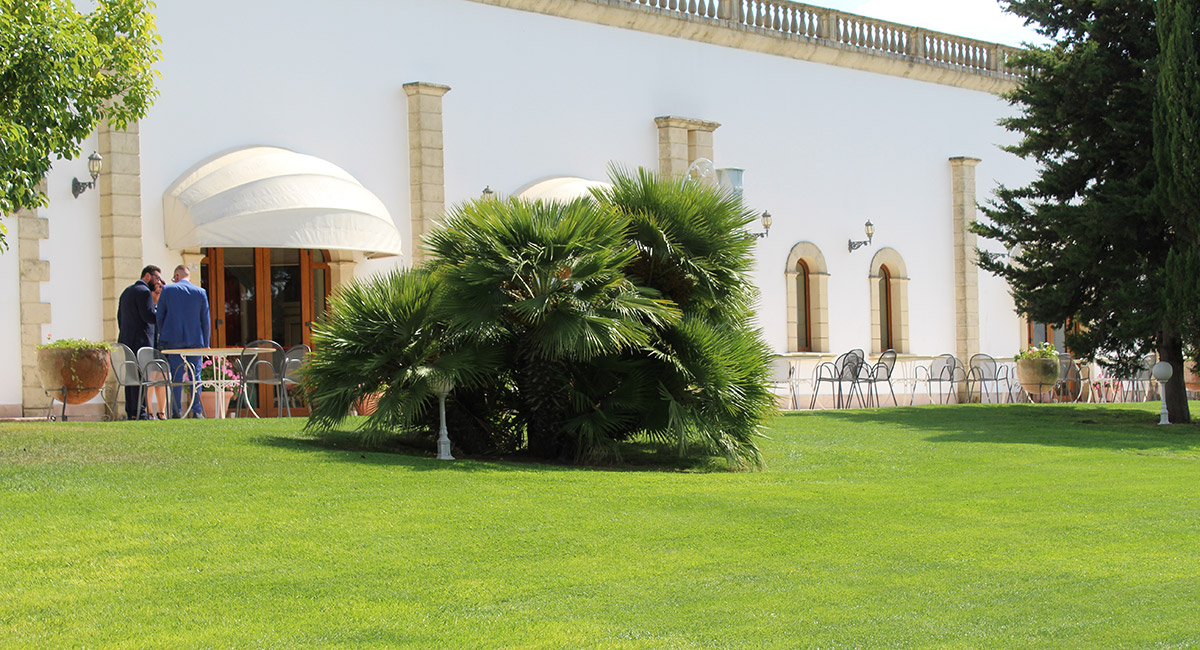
{"points": [[1031, 526]]}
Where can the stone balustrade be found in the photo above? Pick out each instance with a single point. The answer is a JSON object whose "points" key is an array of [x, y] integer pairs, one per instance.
{"points": [[830, 27]]}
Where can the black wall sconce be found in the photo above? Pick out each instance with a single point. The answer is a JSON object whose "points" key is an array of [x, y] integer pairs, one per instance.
{"points": [[870, 230], [95, 164]]}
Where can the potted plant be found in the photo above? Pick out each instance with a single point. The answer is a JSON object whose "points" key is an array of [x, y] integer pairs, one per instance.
{"points": [[73, 370], [223, 371], [1037, 368]]}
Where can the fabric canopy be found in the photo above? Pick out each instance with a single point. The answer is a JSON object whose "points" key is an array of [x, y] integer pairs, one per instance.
{"points": [[275, 198], [559, 188]]}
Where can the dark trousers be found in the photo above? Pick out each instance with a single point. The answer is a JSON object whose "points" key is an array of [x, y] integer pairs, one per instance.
{"points": [[179, 373], [131, 403]]}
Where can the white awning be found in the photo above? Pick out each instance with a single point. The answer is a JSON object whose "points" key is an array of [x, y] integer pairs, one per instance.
{"points": [[275, 198], [559, 188]]}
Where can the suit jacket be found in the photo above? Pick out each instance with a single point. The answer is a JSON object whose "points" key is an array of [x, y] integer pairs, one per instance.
{"points": [[135, 316], [183, 320]]}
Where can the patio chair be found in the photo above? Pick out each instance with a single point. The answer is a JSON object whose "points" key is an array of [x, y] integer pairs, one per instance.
{"points": [[156, 371], [258, 368], [782, 379], [982, 369], [289, 371], [1140, 385], [128, 374], [880, 373], [845, 369], [944, 370]]}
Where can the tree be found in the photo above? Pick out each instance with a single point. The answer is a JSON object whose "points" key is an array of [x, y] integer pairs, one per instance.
{"points": [[1177, 153], [577, 326], [1090, 243], [61, 72]]}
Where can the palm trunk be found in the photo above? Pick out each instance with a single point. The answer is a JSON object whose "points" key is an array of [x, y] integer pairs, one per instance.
{"points": [[1170, 349], [542, 386]]}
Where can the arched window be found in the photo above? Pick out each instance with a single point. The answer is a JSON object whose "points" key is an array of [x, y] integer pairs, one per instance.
{"points": [[803, 308], [889, 302], [807, 302], [886, 339]]}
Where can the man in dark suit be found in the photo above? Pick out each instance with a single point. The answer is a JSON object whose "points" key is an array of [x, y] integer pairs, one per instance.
{"points": [[135, 326], [183, 322]]}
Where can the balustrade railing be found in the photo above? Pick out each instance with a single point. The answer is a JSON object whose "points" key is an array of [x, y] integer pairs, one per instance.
{"points": [[795, 19]]}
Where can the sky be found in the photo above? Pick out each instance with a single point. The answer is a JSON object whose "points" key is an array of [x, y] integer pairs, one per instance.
{"points": [[981, 19]]}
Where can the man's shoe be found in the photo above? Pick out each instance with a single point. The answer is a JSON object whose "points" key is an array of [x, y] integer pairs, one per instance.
{"points": [[198, 416]]}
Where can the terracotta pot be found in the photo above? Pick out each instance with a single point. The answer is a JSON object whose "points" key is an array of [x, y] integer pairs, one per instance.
{"points": [[208, 399], [1037, 375], [82, 372]]}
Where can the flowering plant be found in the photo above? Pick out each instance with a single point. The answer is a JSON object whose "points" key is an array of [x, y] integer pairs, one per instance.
{"points": [[222, 370], [1044, 351]]}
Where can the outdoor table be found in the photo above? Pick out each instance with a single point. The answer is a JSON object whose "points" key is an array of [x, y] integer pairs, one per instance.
{"points": [[219, 382]]}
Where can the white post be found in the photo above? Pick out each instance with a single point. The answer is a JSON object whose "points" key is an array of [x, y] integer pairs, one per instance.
{"points": [[1162, 371], [443, 435]]}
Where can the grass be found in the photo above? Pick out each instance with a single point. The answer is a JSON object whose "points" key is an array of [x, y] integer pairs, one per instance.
{"points": [[929, 527]]}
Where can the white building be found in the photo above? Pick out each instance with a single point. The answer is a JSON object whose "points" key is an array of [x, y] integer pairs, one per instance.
{"points": [[299, 144]]}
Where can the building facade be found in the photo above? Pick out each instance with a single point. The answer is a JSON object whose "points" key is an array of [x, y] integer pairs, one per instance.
{"points": [[296, 146]]}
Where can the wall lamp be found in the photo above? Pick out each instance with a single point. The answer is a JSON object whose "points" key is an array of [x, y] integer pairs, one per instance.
{"points": [[95, 164], [766, 224], [870, 230]]}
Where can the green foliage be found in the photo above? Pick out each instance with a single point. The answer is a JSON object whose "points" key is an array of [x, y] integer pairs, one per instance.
{"points": [[1177, 154], [575, 326], [1044, 351], [1089, 241], [77, 345], [61, 72]]}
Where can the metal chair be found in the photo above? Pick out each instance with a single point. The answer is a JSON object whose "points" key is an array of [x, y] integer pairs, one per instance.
{"points": [[128, 374], [1070, 382], [983, 368], [782, 378], [944, 370], [289, 371], [156, 371], [258, 368], [1140, 384], [846, 368], [880, 373]]}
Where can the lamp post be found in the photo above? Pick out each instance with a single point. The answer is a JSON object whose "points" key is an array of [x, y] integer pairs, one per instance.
{"points": [[95, 164], [1162, 372], [442, 387], [870, 230]]}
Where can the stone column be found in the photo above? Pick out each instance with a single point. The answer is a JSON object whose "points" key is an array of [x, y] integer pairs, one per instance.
{"points": [[31, 229], [120, 185], [966, 274], [681, 140], [191, 258], [426, 165]]}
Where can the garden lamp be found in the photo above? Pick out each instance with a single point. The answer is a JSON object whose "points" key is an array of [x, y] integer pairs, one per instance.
{"points": [[95, 164], [1162, 372], [442, 387]]}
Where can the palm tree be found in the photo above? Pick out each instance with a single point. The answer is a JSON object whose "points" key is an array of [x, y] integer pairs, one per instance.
{"points": [[544, 283], [385, 335], [711, 365]]}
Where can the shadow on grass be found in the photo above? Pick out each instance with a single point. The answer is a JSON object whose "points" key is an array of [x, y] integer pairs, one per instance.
{"points": [[346, 446], [1127, 427]]}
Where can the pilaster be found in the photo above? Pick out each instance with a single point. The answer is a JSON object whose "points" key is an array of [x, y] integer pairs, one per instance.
{"points": [[426, 161], [966, 273], [31, 230], [681, 141], [120, 186]]}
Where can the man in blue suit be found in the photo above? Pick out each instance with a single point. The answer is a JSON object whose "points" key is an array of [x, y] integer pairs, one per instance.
{"points": [[183, 322], [135, 327]]}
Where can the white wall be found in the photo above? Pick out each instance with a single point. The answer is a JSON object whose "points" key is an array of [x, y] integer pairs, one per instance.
{"points": [[10, 318], [824, 148]]}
